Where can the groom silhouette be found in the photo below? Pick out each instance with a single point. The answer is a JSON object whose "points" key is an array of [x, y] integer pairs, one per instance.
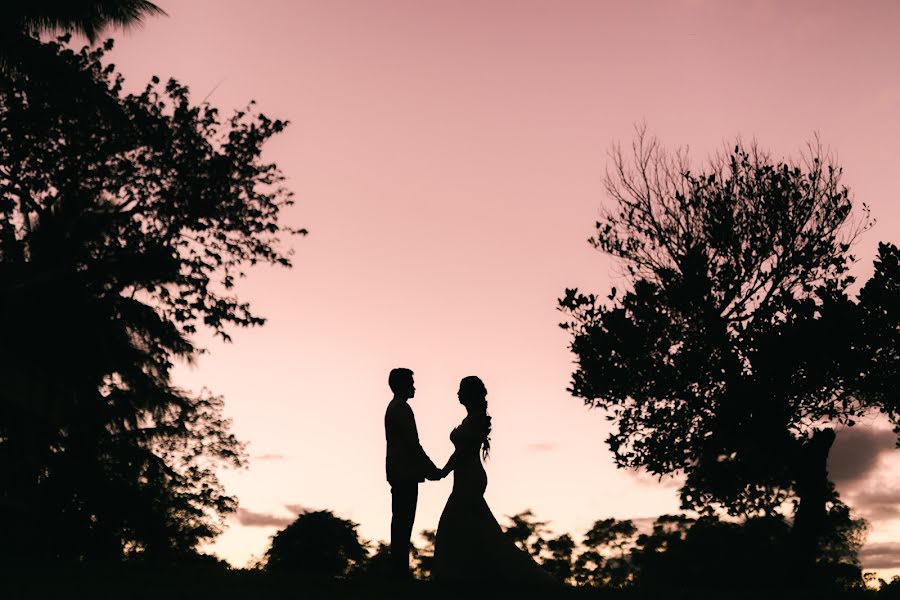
{"points": [[407, 466]]}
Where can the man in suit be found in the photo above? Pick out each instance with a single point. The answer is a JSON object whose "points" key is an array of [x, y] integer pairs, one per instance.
{"points": [[407, 466]]}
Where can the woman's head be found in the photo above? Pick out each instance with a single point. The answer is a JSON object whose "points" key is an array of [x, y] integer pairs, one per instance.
{"points": [[472, 393]]}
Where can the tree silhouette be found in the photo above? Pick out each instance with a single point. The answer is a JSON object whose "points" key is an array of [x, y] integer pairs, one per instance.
{"points": [[603, 562], [889, 589], [317, 543], [22, 23], [423, 557], [378, 562], [653, 552], [610, 533], [737, 348], [755, 553], [125, 220], [683, 552], [561, 561], [556, 555], [527, 532], [880, 339], [839, 545]]}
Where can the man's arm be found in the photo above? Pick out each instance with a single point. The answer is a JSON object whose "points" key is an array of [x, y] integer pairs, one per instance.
{"points": [[409, 433]]}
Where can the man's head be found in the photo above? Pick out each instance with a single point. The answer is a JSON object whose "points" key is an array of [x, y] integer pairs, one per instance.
{"points": [[402, 384]]}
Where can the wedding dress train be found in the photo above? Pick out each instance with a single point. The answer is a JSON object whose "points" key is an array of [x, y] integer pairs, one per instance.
{"points": [[470, 546]]}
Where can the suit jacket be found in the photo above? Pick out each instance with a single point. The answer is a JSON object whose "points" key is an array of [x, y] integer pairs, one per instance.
{"points": [[406, 460]]}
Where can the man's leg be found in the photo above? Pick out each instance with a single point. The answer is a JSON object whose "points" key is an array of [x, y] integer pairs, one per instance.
{"points": [[403, 506]]}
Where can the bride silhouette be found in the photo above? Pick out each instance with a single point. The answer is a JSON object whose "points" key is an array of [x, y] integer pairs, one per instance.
{"points": [[469, 546]]}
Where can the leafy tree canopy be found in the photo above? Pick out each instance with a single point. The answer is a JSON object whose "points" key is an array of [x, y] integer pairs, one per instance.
{"points": [[736, 347], [737, 337], [125, 221], [317, 543]]}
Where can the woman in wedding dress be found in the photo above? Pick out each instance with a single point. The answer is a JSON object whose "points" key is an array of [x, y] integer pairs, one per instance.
{"points": [[469, 546]]}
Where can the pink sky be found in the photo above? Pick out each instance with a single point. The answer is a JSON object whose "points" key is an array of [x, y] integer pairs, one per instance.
{"points": [[447, 159]]}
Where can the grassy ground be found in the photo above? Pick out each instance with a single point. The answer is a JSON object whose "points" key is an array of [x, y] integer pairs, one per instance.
{"points": [[146, 583]]}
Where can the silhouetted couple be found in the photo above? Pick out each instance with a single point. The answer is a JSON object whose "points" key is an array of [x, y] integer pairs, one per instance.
{"points": [[469, 546]]}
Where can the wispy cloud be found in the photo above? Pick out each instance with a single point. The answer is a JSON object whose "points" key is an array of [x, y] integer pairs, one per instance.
{"points": [[884, 555], [542, 446], [269, 457], [666, 481], [644, 524], [877, 503], [249, 518], [297, 509]]}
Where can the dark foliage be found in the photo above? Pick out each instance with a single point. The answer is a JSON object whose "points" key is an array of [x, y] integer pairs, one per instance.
{"points": [[738, 340], [125, 220], [879, 299], [561, 560], [679, 557], [21, 24], [890, 589], [709, 553], [604, 561], [377, 565], [423, 557], [88, 17], [317, 543], [527, 532], [177, 584]]}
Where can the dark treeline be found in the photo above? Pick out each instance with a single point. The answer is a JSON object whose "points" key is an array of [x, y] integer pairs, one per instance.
{"points": [[674, 552]]}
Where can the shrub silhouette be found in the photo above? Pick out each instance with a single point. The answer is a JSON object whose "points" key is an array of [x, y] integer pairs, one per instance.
{"points": [[317, 543]]}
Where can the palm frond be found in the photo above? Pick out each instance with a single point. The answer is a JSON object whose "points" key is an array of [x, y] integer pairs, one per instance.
{"points": [[87, 17]]}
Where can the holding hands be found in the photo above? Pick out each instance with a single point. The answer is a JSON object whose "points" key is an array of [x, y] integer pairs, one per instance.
{"points": [[436, 474]]}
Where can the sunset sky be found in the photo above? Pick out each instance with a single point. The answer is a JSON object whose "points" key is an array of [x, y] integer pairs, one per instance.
{"points": [[447, 158]]}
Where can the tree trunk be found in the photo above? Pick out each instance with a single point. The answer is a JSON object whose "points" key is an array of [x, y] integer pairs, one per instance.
{"points": [[813, 492]]}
